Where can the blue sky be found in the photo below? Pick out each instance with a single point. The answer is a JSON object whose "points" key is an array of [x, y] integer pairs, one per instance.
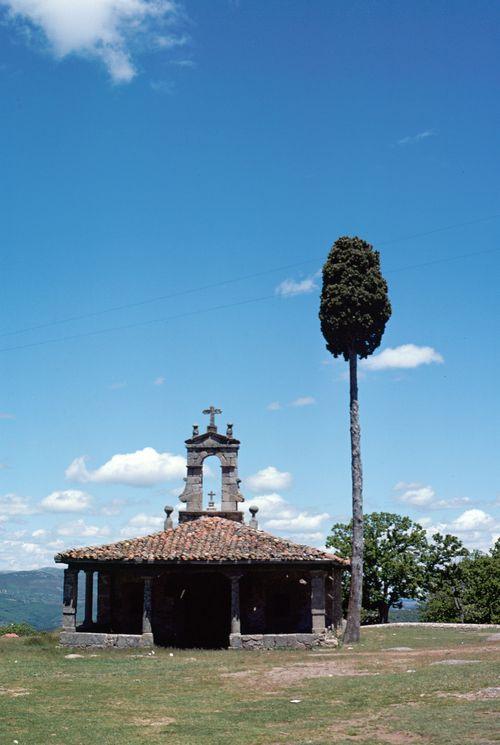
{"points": [[191, 153]]}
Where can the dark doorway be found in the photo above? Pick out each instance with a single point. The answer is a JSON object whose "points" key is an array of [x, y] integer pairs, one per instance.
{"points": [[127, 603], [192, 610], [275, 603]]}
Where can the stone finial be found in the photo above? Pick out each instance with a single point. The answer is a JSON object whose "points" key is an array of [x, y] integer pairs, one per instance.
{"points": [[196, 430], [229, 430], [169, 523], [253, 522]]}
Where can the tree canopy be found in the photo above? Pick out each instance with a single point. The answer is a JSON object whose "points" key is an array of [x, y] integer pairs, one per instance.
{"points": [[468, 589], [355, 306], [395, 559]]}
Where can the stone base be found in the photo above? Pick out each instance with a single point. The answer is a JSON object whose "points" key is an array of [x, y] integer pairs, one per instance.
{"points": [[105, 641], [281, 641]]}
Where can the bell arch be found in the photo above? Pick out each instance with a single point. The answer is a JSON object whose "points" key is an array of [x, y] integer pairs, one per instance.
{"points": [[225, 448]]}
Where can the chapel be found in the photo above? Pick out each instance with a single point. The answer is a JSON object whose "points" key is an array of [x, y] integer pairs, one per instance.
{"points": [[212, 581]]}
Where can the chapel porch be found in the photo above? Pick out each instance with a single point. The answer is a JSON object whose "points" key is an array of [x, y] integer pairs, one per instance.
{"points": [[234, 605]]}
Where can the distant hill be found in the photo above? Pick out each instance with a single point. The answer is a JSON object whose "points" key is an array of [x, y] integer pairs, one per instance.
{"points": [[32, 596]]}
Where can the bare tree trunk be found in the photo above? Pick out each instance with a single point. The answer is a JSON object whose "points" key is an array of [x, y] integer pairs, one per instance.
{"points": [[355, 595]]}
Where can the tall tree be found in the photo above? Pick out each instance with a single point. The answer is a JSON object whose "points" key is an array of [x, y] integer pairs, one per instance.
{"points": [[395, 553], [354, 310]]}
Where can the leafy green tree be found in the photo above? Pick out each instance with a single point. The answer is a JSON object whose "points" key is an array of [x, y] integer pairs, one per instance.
{"points": [[353, 313], [469, 592], [444, 576], [395, 553]]}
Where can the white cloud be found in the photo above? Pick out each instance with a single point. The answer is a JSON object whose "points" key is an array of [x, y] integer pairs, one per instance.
{"points": [[298, 402], [114, 507], [303, 401], [292, 287], [70, 500], [163, 86], [447, 504], [80, 529], [6, 415], [476, 528], [159, 380], [118, 385], [303, 521], [410, 140], [404, 357], [184, 63], [416, 494], [145, 467], [142, 524], [12, 505], [277, 515], [105, 30], [421, 496], [269, 478], [17, 554], [474, 519]]}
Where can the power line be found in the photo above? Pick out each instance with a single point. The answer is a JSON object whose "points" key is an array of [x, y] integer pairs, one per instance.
{"points": [[140, 323], [443, 260], [248, 301], [255, 275], [224, 306], [148, 301]]}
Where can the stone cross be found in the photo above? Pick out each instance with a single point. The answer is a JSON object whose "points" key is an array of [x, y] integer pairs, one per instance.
{"points": [[211, 504], [212, 411]]}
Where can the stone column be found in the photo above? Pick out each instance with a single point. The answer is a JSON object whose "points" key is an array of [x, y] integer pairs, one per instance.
{"points": [[318, 578], [337, 614], [89, 596], [104, 599], [235, 604], [147, 606], [70, 599]]}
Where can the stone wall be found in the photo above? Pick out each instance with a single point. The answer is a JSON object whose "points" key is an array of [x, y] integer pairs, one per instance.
{"points": [[105, 641], [281, 641]]}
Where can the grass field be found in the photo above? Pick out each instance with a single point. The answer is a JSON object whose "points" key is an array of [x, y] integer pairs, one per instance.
{"points": [[441, 689]]}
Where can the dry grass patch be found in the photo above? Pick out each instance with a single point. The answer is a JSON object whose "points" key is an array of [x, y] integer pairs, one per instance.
{"points": [[485, 694], [156, 722], [13, 692], [283, 676]]}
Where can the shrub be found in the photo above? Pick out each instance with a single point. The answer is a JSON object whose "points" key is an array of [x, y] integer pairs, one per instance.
{"points": [[21, 629]]}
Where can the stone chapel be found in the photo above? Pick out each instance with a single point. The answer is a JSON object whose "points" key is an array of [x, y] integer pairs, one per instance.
{"points": [[212, 581]]}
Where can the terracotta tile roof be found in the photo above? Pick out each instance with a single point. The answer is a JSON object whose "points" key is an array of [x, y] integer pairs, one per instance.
{"points": [[205, 539]]}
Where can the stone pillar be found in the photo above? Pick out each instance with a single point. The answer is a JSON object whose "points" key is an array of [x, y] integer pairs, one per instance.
{"points": [[235, 604], [70, 599], [89, 596], [318, 578], [104, 599], [147, 606], [337, 613]]}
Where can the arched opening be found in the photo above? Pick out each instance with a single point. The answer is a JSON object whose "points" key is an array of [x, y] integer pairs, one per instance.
{"points": [[212, 482]]}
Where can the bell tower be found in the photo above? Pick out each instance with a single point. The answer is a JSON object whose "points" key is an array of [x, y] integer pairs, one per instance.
{"points": [[225, 448]]}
